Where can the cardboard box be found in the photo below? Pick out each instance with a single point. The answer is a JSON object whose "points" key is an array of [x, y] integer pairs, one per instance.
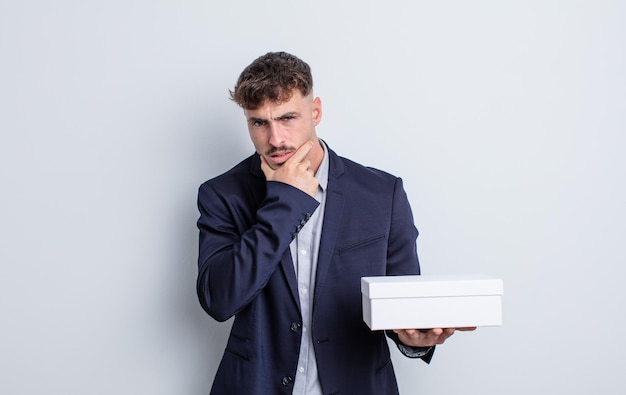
{"points": [[431, 301]]}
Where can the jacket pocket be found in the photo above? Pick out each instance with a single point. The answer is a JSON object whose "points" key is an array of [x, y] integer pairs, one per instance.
{"points": [[359, 244], [238, 346]]}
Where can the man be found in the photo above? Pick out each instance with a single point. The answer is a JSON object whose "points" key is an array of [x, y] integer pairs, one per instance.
{"points": [[285, 237]]}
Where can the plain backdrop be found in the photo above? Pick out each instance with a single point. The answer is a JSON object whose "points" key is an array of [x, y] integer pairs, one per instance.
{"points": [[505, 119]]}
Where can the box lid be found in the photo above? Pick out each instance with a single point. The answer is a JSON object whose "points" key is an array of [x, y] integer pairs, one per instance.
{"points": [[381, 287]]}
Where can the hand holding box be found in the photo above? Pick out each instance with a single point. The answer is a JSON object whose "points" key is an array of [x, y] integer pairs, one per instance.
{"points": [[431, 301]]}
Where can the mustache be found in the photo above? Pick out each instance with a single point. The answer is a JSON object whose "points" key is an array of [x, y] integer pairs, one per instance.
{"points": [[282, 148]]}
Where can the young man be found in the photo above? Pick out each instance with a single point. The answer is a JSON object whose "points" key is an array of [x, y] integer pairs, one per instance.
{"points": [[285, 237]]}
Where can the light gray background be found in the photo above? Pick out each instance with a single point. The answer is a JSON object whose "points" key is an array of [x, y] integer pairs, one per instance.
{"points": [[506, 120]]}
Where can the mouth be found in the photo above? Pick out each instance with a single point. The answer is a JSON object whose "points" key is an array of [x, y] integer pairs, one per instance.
{"points": [[278, 157], [281, 155]]}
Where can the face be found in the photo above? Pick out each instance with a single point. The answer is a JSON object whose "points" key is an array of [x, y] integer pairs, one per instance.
{"points": [[277, 130]]}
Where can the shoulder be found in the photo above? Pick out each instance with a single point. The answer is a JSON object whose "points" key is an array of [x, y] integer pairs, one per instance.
{"points": [[359, 173], [242, 169], [238, 178]]}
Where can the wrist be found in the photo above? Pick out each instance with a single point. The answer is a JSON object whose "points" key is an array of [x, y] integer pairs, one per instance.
{"points": [[414, 352]]}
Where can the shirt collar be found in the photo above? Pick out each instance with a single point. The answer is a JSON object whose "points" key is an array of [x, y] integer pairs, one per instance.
{"points": [[322, 172]]}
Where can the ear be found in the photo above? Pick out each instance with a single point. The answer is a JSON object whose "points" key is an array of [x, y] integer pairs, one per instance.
{"points": [[317, 111]]}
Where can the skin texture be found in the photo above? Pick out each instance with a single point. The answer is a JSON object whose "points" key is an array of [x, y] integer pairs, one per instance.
{"points": [[284, 136]]}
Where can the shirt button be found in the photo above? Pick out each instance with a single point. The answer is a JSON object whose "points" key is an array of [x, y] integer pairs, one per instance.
{"points": [[303, 290], [301, 369], [303, 252]]}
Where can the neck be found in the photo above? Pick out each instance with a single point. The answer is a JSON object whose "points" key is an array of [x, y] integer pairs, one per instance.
{"points": [[316, 155]]}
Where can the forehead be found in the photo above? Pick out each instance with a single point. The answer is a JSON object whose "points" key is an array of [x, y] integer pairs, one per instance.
{"points": [[297, 103]]}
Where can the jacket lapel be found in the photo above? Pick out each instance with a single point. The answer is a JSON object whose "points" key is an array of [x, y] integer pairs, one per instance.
{"points": [[335, 199]]}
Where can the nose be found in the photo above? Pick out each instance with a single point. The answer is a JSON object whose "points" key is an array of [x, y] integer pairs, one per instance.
{"points": [[276, 136]]}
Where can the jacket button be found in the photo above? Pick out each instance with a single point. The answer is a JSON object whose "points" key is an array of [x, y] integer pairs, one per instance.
{"points": [[287, 380], [295, 327]]}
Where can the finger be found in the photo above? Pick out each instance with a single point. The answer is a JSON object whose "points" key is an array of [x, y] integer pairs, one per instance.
{"points": [[466, 328], [301, 152], [448, 332], [445, 335], [436, 331], [306, 164]]}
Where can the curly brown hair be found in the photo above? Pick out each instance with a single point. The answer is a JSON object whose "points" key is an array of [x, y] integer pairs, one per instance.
{"points": [[273, 77]]}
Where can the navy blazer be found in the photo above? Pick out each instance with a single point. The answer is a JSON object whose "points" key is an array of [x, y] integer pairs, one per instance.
{"points": [[245, 269]]}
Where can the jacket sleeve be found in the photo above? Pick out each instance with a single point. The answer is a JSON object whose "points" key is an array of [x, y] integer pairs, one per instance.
{"points": [[402, 258], [402, 248], [234, 264]]}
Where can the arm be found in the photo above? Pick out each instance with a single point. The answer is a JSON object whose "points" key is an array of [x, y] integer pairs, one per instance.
{"points": [[233, 267], [402, 260], [413, 343], [402, 249], [236, 260], [425, 353]]}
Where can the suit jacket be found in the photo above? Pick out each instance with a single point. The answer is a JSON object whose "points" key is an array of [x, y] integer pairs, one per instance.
{"points": [[245, 269]]}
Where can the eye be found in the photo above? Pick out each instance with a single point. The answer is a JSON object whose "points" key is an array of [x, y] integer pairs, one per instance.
{"points": [[258, 123]]}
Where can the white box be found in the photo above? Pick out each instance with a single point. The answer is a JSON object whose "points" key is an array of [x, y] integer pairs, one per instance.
{"points": [[431, 301]]}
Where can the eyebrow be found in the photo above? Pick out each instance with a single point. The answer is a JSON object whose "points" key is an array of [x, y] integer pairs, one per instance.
{"points": [[288, 114]]}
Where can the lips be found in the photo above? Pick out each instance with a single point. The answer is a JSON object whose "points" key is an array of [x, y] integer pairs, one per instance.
{"points": [[277, 155], [280, 156]]}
